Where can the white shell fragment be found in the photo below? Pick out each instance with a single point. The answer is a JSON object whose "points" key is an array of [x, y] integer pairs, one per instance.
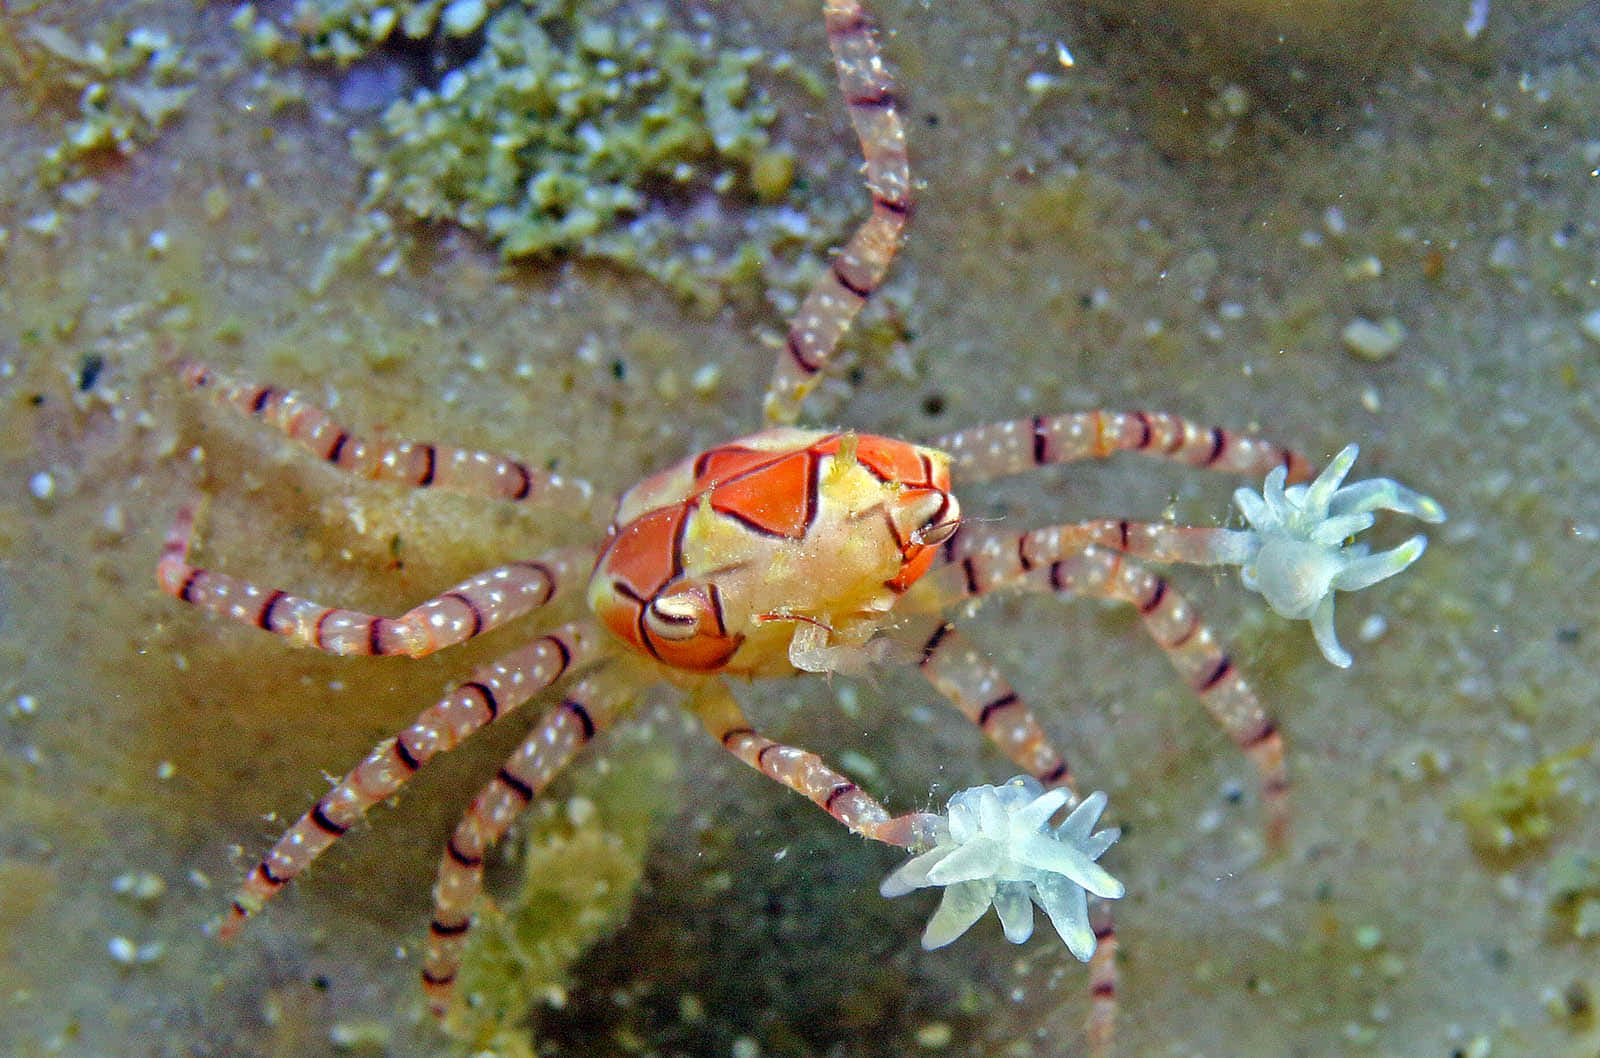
{"points": [[999, 849], [1373, 341]]}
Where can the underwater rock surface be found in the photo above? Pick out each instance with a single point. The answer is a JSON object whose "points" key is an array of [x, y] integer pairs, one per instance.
{"points": [[1082, 239]]}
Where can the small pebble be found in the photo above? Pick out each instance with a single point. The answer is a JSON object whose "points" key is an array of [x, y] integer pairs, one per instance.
{"points": [[1368, 267], [47, 223], [349, 1035], [1235, 100], [1373, 341], [463, 16], [667, 385], [80, 193], [142, 886], [1357, 1033], [581, 811], [1038, 83], [215, 202], [704, 380], [859, 765], [128, 953], [113, 520], [1505, 255], [1477, 18], [42, 485], [382, 23]]}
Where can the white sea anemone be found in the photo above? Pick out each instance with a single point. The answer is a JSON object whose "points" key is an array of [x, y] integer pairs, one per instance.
{"points": [[1301, 550], [998, 848]]}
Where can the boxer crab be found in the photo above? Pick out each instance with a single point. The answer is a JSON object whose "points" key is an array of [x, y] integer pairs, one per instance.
{"points": [[796, 550]]}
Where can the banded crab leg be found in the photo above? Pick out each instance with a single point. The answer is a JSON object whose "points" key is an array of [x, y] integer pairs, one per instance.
{"points": [[471, 608], [857, 270], [1197, 655], [419, 464], [587, 707], [972, 683], [1175, 625], [1300, 549], [992, 556], [807, 775], [1000, 449], [977, 689], [493, 691]]}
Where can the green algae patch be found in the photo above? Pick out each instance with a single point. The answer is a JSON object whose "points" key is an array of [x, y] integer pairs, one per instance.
{"points": [[581, 129], [1520, 812], [582, 859], [342, 31], [127, 87], [543, 146]]}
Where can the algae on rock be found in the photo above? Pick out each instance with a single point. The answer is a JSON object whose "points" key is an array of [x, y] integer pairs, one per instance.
{"points": [[1520, 812], [583, 127], [582, 859], [127, 88]]}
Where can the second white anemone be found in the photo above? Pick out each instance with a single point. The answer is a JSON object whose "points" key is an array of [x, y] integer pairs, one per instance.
{"points": [[1299, 549], [998, 848]]}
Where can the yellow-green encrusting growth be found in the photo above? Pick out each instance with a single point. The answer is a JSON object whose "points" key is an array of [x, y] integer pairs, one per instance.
{"points": [[580, 127], [582, 859], [1574, 887], [343, 31], [1520, 812], [128, 86]]}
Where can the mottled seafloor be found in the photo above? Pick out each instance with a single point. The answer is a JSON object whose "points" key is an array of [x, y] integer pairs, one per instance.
{"points": [[1183, 219]]}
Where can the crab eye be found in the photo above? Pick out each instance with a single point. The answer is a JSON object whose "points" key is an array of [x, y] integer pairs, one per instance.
{"points": [[936, 532], [683, 613], [673, 618]]}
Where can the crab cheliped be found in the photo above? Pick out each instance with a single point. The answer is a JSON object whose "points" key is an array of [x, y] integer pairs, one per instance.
{"points": [[795, 550]]}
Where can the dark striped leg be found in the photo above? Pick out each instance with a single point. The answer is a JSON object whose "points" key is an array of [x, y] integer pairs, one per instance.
{"points": [[471, 608], [973, 684], [1103, 979], [998, 556], [1004, 448], [493, 691], [588, 706], [858, 269], [806, 774], [1172, 622], [419, 464], [1195, 653]]}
